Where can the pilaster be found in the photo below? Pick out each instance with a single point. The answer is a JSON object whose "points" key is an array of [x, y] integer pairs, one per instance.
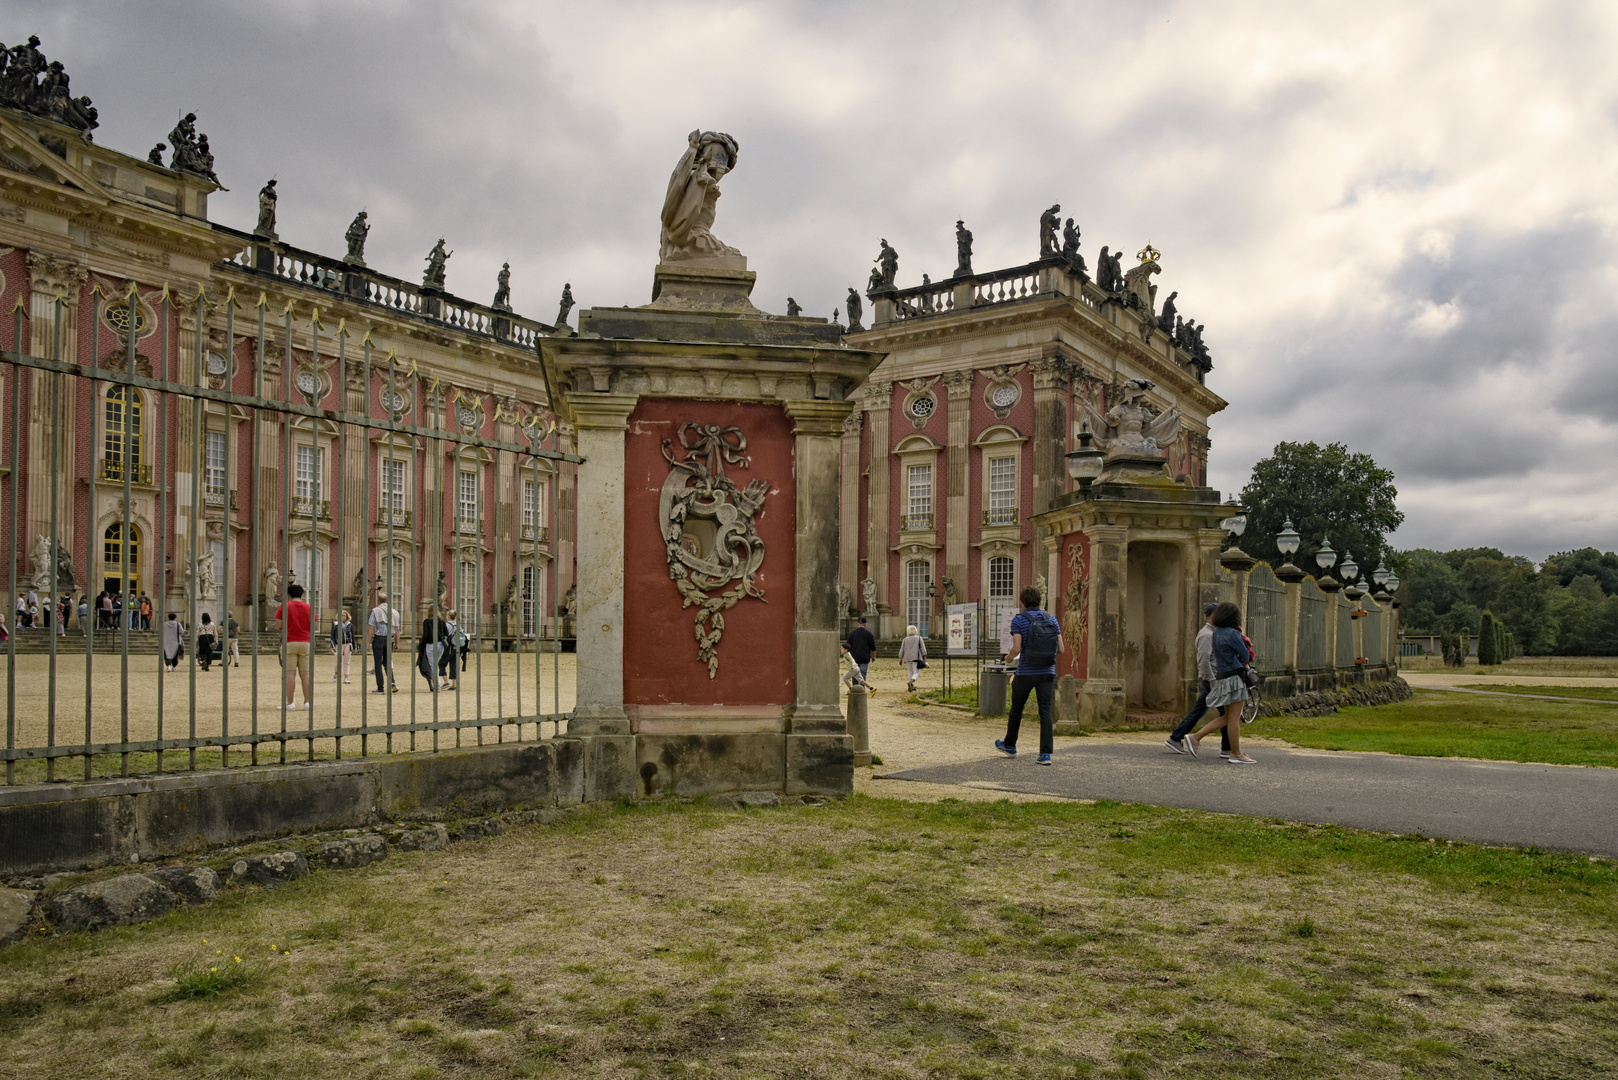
{"points": [[957, 535], [1102, 700], [879, 412], [817, 432], [848, 542], [601, 421], [1049, 441], [51, 279]]}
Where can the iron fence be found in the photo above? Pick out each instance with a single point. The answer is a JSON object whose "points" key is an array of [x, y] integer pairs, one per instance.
{"points": [[1314, 608], [281, 404], [1372, 631], [1266, 618]]}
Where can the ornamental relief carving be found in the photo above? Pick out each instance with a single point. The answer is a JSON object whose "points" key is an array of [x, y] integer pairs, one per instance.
{"points": [[707, 527], [920, 402]]}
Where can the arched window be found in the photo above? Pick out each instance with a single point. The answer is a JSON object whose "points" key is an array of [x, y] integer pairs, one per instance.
{"points": [[123, 419], [1002, 578]]}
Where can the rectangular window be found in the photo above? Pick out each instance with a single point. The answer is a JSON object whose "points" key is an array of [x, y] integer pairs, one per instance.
{"points": [[1002, 577], [396, 583], [466, 595], [309, 472], [1002, 483], [214, 474], [393, 485], [529, 598], [918, 575], [920, 497], [466, 496]]}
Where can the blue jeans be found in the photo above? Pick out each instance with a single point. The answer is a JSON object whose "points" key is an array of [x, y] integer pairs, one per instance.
{"points": [[1197, 712], [1043, 687]]}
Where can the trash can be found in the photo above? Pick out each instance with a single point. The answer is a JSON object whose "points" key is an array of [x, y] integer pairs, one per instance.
{"points": [[992, 690]]}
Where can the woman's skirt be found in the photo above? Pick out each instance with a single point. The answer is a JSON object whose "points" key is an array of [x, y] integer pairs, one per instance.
{"points": [[1226, 690]]}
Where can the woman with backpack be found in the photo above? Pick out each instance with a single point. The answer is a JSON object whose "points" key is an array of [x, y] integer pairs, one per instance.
{"points": [[1231, 656], [206, 639], [453, 657]]}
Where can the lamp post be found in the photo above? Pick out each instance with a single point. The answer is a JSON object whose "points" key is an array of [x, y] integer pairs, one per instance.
{"points": [[1085, 463], [1286, 542], [1234, 558], [1351, 570], [1326, 558], [1382, 575]]}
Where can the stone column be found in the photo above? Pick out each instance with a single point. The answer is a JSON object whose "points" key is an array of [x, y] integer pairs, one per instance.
{"points": [[1294, 613], [817, 430], [1330, 587], [1102, 700], [859, 725], [959, 501], [1049, 437], [878, 410], [601, 421], [50, 277], [849, 509]]}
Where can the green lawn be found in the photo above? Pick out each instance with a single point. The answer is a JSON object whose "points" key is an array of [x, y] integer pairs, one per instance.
{"points": [[875, 938], [1438, 723], [1596, 693]]}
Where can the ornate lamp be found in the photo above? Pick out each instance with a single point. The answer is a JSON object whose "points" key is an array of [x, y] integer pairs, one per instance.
{"points": [[1351, 570], [1085, 463], [1381, 575], [1326, 558], [1234, 558], [1392, 584], [1286, 541]]}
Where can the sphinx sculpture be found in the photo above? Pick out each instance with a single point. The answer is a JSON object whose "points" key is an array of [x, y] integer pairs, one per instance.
{"points": [[693, 195]]}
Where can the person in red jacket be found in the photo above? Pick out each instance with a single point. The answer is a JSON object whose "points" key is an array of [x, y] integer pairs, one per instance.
{"points": [[294, 619]]}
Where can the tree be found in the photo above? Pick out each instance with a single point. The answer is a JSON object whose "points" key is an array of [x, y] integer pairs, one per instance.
{"points": [[1566, 566], [1488, 641], [1326, 492]]}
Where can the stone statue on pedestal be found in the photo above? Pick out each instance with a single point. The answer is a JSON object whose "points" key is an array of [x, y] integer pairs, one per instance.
{"points": [[1070, 249], [43, 561], [266, 211], [887, 268], [502, 289], [845, 600], [856, 310], [963, 250], [567, 304], [358, 230], [272, 582], [1165, 321], [692, 198], [1049, 223], [793, 310], [436, 258], [156, 155], [1133, 425], [868, 593]]}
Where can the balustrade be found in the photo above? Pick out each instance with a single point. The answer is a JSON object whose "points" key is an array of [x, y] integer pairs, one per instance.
{"points": [[1006, 515], [916, 522], [113, 470]]}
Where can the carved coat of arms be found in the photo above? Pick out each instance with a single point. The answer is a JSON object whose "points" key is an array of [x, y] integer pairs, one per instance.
{"points": [[707, 524]]}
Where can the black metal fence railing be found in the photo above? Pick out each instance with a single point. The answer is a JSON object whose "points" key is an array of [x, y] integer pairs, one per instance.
{"points": [[210, 574]]}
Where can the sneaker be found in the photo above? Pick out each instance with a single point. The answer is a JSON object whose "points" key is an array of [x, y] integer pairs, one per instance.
{"points": [[1043, 759], [1224, 754], [1009, 751], [1191, 742], [378, 691], [1177, 747], [1242, 759]]}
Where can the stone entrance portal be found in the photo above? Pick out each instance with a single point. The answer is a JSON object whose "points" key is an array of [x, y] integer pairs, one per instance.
{"points": [[708, 522], [1154, 626]]}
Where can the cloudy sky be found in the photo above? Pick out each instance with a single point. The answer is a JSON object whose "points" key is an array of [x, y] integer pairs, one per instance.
{"points": [[1397, 220]]}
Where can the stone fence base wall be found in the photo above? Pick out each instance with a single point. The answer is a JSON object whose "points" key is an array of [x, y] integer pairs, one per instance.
{"points": [[1326, 702], [52, 827]]}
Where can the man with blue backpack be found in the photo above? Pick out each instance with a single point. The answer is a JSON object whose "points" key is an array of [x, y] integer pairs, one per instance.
{"points": [[1036, 641]]}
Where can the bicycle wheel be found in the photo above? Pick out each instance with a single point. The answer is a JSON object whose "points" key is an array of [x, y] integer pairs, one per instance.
{"points": [[1250, 706]]}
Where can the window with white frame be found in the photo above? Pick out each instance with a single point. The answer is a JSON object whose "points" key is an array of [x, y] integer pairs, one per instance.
{"points": [[918, 575], [466, 497], [309, 472], [533, 510], [919, 500], [1002, 577], [531, 583], [213, 476], [307, 565], [393, 485], [466, 594], [1002, 491], [395, 574]]}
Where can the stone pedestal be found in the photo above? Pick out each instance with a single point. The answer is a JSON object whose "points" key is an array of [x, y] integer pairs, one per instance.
{"points": [[724, 678], [859, 725]]}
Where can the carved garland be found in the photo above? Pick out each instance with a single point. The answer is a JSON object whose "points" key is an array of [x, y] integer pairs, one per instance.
{"points": [[707, 526], [1076, 598]]}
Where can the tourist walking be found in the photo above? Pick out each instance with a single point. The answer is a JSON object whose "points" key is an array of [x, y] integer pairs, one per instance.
{"points": [[1036, 642], [431, 645], [106, 609], [384, 627], [207, 640], [294, 618], [1229, 690], [233, 634], [852, 677], [22, 611], [342, 644], [84, 613], [913, 654], [145, 612], [862, 644], [173, 641], [452, 658], [1205, 678]]}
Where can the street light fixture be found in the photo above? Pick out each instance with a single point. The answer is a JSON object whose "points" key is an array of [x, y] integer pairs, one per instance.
{"points": [[1234, 558], [1326, 558], [1351, 570], [1286, 542], [1085, 463]]}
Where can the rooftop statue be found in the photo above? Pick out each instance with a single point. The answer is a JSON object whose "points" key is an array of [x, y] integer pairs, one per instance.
{"points": [[692, 198], [793, 310], [358, 230], [1070, 250], [29, 83], [963, 250], [502, 289], [567, 304], [1133, 425], [191, 153], [887, 263], [1165, 321], [266, 211], [436, 258], [1104, 276], [1049, 222], [1138, 281], [856, 311], [156, 156]]}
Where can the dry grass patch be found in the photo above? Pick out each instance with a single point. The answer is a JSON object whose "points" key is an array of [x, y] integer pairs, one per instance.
{"points": [[873, 939]]}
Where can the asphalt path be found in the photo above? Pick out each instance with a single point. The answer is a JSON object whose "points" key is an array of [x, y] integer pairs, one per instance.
{"points": [[1555, 807]]}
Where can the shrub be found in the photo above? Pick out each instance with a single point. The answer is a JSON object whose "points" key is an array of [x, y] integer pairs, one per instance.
{"points": [[1488, 640]]}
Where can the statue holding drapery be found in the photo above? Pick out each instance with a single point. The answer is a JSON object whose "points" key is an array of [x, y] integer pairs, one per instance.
{"points": [[693, 194]]}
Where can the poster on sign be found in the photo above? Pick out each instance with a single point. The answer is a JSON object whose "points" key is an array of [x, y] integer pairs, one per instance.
{"points": [[961, 623], [1006, 615]]}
